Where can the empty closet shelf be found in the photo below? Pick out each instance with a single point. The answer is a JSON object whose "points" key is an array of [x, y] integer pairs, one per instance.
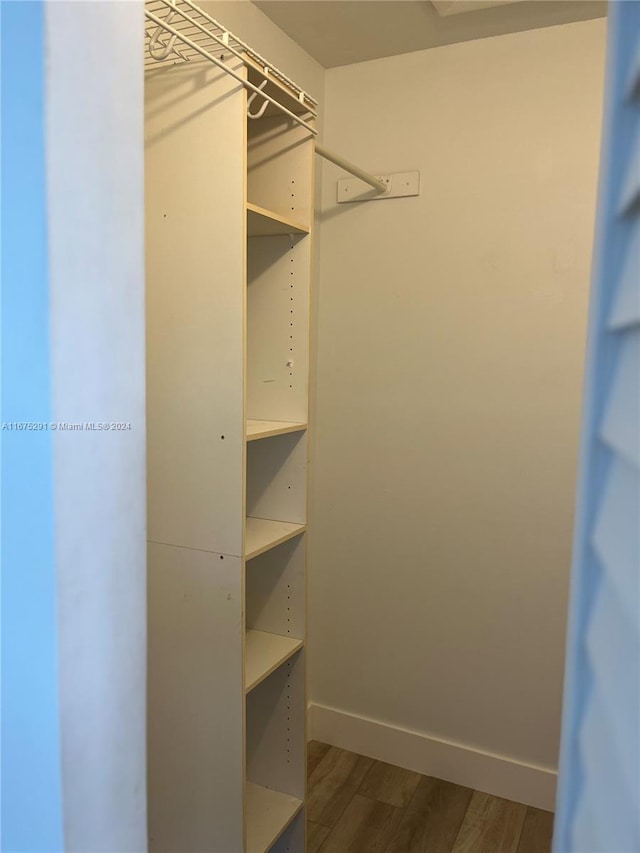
{"points": [[265, 429], [266, 223], [261, 535], [269, 813], [264, 653]]}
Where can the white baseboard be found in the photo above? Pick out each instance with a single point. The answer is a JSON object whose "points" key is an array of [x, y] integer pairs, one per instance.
{"points": [[494, 774]]}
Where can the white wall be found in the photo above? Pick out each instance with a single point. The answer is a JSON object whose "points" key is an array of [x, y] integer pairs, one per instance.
{"points": [[96, 284], [451, 332]]}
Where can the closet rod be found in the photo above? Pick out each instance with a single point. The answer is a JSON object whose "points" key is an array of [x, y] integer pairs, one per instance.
{"points": [[350, 167], [226, 68]]}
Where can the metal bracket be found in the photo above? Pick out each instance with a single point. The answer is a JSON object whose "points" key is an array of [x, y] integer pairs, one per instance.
{"points": [[400, 184]]}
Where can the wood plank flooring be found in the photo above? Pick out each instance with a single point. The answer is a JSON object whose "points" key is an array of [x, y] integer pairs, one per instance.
{"points": [[358, 805]]}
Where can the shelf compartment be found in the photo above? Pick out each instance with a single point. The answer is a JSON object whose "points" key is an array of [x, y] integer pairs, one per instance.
{"points": [[275, 590], [262, 534], [269, 813], [278, 310], [276, 483], [264, 429], [275, 729], [293, 836], [264, 653], [265, 223], [279, 169]]}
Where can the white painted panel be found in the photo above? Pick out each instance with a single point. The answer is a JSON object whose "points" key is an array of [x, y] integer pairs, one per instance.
{"points": [[195, 125], [276, 743], [276, 478], [275, 589], [281, 168], [196, 698], [94, 112], [278, 270]]}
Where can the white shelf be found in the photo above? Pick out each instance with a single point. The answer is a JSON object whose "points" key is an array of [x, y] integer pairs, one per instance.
{"points": [[269, 813], [262, 534], [265, 429], [266, 223], [264, 653]]}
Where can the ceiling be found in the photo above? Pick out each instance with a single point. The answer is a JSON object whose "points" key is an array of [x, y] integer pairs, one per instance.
{"points": [[339, 32]]}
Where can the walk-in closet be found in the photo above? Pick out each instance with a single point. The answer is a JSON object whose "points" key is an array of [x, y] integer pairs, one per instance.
{"points": [[320, 426], [367, 278]]}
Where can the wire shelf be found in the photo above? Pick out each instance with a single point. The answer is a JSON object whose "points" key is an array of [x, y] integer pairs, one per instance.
{"points": [[196, 36]]}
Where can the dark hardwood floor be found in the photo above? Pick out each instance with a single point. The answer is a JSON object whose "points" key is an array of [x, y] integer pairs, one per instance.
{"points": [[358, 805]]}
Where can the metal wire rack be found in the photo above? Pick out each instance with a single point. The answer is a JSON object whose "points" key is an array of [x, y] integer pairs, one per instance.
{"points": [[178, 31]]}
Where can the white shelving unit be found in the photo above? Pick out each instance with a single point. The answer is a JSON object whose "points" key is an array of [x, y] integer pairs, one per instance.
{"points": [[229, 212]]}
